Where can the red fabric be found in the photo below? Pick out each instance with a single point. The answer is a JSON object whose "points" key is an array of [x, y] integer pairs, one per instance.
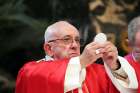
{"points": [[45, 77], [136, 66], [35, 77], [97, 80]]}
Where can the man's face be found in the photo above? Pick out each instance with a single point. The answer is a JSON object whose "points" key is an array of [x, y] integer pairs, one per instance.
{"points": [[136, 47], [66, 43]]}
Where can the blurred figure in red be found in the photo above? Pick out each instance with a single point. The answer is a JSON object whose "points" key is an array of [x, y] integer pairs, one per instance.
{"points": [[134, 42]]}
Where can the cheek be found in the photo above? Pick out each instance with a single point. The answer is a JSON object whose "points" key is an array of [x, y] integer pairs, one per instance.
{"points": [[61, 51], [65, 50], [137, 43], [137, 39]]}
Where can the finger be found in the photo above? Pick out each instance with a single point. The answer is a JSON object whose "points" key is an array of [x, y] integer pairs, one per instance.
{"points": [[110, 48], [95, 57], [99, 55], [110, 54], [96, 46], [108, 43], [96, 53]]}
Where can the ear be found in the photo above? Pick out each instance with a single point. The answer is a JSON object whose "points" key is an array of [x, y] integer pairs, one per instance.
{"points": [[47, 49], [129, 44]]}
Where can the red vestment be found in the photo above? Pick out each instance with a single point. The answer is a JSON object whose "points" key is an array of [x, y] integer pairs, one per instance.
{"points": [[48, 77], [136, 66]]}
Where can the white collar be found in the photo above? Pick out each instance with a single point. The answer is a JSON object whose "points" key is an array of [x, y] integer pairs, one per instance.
{"points": [[133, 57], [47, 58]]}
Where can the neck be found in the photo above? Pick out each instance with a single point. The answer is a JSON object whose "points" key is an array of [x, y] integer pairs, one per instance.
{"points": [[48, 58]]}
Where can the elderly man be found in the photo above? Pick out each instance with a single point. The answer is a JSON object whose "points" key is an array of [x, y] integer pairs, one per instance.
{"points": [[68, 71], [134, 42]]}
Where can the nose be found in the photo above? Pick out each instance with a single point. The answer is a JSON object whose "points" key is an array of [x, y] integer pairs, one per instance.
{"points": [[75, 44]]}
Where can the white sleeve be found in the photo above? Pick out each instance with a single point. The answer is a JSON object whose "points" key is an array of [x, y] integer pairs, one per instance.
{"points": [[119, 84], [74, 75]]}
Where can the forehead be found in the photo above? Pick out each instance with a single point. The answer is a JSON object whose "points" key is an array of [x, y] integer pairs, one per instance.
{"points": [[67, 31]]}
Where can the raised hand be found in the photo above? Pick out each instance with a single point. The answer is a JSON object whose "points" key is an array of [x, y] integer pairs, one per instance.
{"points": [[110, 55], [89, 54]]}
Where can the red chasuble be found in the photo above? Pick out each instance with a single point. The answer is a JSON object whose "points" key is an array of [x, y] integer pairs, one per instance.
{"points": [[136, 66], [48, 77]]}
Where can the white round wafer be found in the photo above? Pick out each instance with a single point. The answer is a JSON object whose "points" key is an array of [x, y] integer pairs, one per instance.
{"points": [[100, 38]]}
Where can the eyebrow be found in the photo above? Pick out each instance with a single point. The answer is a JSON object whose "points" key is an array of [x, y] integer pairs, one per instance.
{"points": [[70, 36]]}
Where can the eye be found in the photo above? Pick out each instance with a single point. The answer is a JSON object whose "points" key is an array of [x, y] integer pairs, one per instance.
{"points": [[77, 40], [67, 39]]}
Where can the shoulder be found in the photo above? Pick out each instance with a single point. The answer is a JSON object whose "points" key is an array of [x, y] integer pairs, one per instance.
{"points": [[27, 68], [128, 56], [36, 68]]}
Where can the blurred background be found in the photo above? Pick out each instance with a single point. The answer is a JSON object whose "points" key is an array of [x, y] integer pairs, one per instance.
{"points": [[23, 22]]}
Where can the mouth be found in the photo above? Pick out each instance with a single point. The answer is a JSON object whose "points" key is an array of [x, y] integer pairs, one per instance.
{"points": [[74, 54], [137, 52]]}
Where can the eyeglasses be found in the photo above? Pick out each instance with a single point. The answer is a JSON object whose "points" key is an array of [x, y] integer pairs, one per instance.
{"points": [[67, 40]]}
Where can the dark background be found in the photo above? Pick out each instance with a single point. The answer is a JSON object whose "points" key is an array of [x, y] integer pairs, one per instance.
{"points": [[23, 22]]}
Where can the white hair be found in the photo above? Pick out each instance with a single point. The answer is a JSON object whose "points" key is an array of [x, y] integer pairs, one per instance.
{"points": [[133, 28], [54, 28], [48, 33]]}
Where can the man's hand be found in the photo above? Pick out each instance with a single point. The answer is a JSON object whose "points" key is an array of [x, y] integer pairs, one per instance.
{"points": [[110, 55], [89, 54]]}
